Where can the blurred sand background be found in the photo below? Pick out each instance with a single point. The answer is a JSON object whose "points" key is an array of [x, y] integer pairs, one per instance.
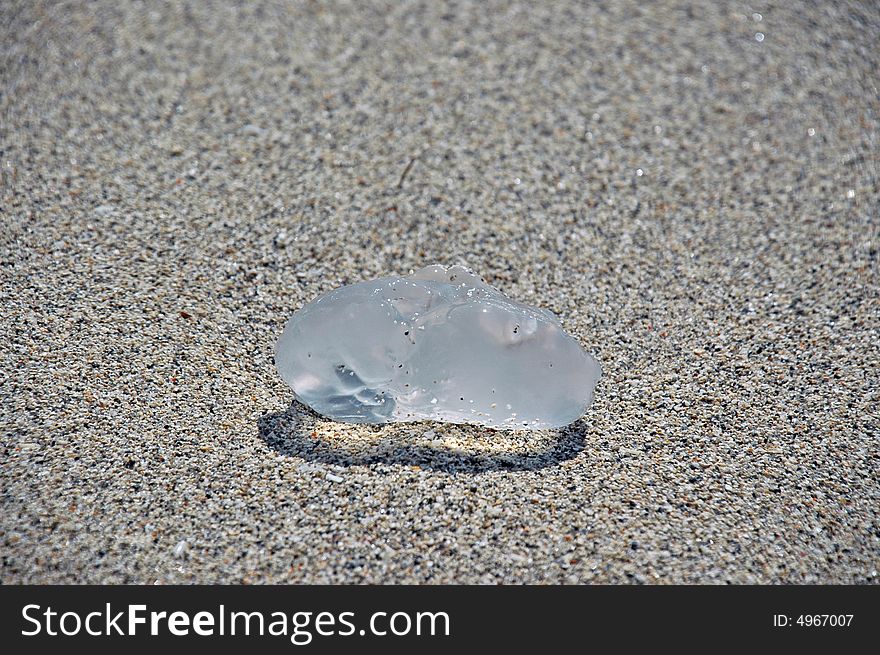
{"points": [[693, 188]]}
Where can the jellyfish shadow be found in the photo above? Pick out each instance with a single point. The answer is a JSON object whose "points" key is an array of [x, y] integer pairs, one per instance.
{"points": [[298, 432]]}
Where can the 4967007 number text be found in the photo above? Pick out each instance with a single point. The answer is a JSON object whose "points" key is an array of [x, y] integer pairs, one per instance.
{"points": [[813, 620]]}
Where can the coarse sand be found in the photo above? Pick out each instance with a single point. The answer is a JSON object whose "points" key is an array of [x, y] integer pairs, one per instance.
{"points": [[692, 188]]}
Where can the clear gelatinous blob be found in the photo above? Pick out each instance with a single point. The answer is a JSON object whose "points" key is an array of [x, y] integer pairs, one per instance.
{"points": [[439, 345]]}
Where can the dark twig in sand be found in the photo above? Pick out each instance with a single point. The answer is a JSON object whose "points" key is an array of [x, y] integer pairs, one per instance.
{"points": [[406, 171]]}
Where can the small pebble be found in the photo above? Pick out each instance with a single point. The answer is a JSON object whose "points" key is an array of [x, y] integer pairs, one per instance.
{"points": [[181, 549]]}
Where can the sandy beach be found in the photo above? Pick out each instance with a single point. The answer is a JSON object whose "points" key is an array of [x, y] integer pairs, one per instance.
{"points": [[692, 189]]}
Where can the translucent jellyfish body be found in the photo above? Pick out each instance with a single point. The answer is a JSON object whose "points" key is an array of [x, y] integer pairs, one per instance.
{"points": [[438, 345]]}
